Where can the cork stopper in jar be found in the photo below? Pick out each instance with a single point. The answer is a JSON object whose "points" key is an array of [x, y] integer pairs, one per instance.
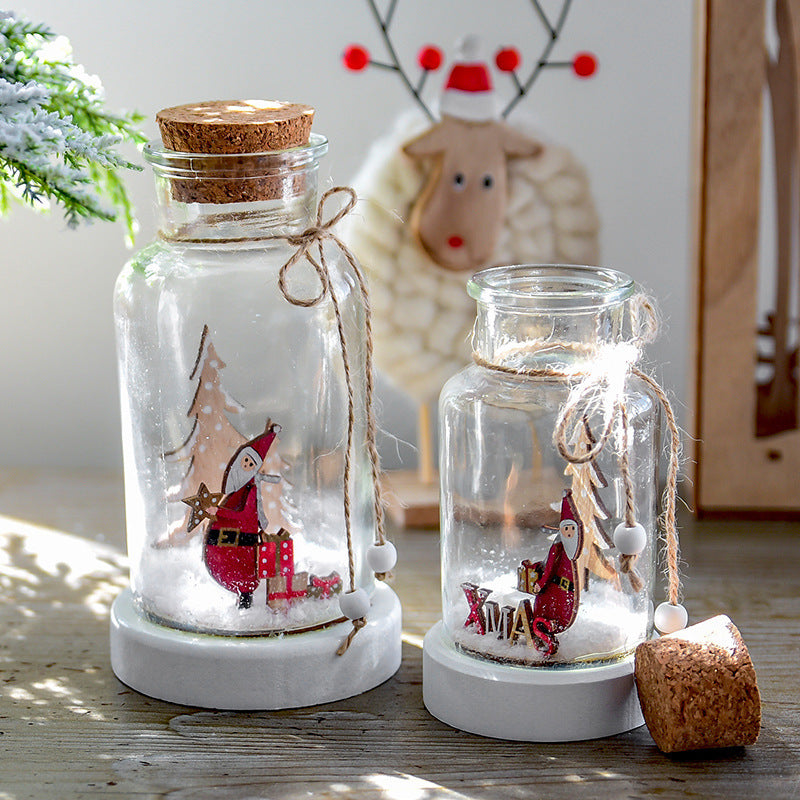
{"points": [[235, 126], [229, 128]]}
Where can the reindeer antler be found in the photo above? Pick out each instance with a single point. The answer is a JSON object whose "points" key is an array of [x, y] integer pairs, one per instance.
{"points": [[429, 58], [583, 64], [554, 33]]}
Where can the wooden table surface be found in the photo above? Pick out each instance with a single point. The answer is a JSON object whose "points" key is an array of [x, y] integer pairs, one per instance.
{"points": [[69, 729]]}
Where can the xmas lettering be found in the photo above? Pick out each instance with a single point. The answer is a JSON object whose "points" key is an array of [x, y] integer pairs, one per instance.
{"points": [[475, 600], [511, 623]]}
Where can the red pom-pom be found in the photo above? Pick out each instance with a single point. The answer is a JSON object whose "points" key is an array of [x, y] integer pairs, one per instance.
{"points": [[430, 58], [356, 57], [584, 65], [507, 59]]}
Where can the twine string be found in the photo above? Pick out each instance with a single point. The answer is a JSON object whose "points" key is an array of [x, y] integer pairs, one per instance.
{"points": [[315, 237], [606, 386], [670, 496], [358, 624], [627, 561], [625, 465]]}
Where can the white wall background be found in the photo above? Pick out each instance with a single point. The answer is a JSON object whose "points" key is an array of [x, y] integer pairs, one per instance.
{"points": [[630, 125]]}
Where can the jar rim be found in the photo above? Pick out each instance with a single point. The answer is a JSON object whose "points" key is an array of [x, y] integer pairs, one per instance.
{"points": [[175, 161], [564, 287]]}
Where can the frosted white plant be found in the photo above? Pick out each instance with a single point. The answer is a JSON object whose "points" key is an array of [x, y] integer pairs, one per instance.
{"points": [[57, 139]]}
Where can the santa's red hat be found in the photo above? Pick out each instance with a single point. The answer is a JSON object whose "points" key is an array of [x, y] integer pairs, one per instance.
{"points": [[261, 444], [569, 512], [468, 93]]}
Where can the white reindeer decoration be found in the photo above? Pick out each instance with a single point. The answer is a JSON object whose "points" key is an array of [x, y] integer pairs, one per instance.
{"points": [[444, 200]]}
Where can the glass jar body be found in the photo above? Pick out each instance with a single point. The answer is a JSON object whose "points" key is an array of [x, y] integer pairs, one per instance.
{"points": [[503, 480], [211, 353]]}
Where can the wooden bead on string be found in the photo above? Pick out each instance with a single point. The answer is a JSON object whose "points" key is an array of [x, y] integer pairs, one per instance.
{"points": [[355, 604], [630, 541], [382, 557], [670, 617]]}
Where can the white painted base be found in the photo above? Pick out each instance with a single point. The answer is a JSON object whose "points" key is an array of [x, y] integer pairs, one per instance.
{"points": [[523, 703], [255, 673]]}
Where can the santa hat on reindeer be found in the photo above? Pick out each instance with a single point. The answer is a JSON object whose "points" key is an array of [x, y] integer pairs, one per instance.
{"points": [[468, 93]]}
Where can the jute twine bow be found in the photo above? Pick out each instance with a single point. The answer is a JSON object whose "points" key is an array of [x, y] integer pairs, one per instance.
{"points": [[315, 237], [603, 383]]}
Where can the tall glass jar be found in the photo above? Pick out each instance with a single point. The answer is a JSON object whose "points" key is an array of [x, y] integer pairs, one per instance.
{"points": [[531, 576], [235, 423]]}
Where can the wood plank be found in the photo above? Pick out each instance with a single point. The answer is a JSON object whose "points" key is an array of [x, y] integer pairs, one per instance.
{"points": [[735, 470]]}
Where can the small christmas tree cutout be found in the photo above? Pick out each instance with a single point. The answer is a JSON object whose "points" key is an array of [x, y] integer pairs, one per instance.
{"points": [[212, 440], [587, 480]]}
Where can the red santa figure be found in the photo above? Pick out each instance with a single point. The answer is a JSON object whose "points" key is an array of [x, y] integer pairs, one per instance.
{"points": [[234, 534], [556, 588]]}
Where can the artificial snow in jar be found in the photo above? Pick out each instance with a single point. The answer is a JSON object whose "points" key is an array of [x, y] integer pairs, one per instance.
{"points": [[250, 467]]}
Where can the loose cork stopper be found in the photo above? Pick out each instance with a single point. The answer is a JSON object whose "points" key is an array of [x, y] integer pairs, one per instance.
{"points": [[235, 127], [697, 688]]}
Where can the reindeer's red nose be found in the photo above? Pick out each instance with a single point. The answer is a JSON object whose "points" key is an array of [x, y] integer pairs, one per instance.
{"points": [[455, 241]]}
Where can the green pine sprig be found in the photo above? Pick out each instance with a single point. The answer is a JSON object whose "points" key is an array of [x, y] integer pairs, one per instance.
{"points": [[57, 138]]}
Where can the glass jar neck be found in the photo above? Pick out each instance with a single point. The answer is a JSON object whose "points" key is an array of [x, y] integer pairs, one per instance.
{"points": [[540, 317], [239, 197]]}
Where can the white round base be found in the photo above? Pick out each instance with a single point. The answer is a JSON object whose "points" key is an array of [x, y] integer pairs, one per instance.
{"points": [[255, 673], [526, 704]]}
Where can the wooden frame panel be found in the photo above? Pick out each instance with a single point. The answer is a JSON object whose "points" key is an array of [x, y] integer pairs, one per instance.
{"points": [[735, 470]]}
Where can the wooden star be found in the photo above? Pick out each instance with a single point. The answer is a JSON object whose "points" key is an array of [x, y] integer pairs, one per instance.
{"points": [[200, 503]]}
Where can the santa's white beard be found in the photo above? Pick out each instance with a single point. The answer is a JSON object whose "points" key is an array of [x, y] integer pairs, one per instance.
{"points": [[571, 546], [237, 477]]}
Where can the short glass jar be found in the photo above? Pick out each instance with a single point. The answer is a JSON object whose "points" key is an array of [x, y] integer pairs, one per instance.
{"points": [[531, 576], [238, 413]]}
